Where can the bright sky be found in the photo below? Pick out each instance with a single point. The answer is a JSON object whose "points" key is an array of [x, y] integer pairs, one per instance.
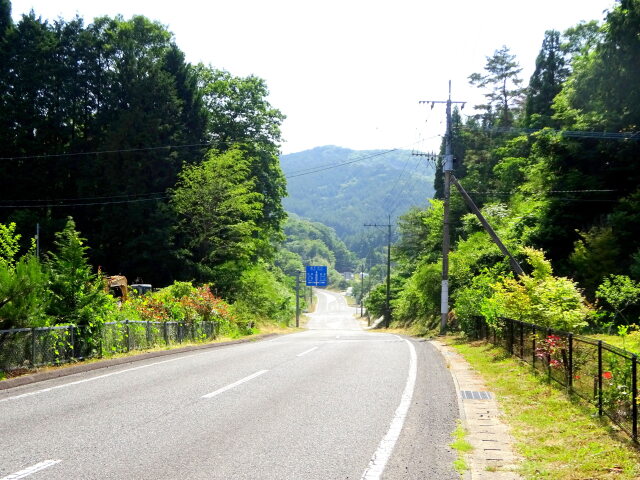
{"points": [[350, 72]]}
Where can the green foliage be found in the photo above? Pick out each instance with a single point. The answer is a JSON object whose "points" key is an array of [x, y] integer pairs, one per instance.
{"points": [[9, 244], [217, 210], [546, 81], [263, 296], [77, 294], [539, 298], [595, 255], [123, 86], [23, 294], [620, 293]]}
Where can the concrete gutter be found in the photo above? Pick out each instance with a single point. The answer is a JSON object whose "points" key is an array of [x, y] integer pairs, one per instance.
{"points": [[87, 367]]}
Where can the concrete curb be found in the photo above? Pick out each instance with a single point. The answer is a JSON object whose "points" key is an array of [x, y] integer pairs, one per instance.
{"points": [[492, 457], [87, 367]]}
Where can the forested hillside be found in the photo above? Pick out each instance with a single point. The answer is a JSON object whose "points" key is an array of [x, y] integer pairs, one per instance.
{"points": [[554, 167], [313, 243], [358, 192]]}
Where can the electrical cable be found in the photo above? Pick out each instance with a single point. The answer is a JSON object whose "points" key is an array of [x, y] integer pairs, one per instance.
{"points": [[59, 205], [566, 133], [103, 152]]}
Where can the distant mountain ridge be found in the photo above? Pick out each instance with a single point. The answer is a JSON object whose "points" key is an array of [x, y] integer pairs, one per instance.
{"points": [[345, 197]]}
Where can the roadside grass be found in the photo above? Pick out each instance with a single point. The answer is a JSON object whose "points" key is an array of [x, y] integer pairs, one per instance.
{"points": [[556, 437], [630, 342], [462, 446]]}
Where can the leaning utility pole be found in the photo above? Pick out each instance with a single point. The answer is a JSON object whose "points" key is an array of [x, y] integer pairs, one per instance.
{"points": [[387, 307], [448, 169]]}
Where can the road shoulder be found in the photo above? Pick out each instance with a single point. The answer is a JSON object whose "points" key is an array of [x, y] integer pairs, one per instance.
{"points": [[493, 456], [81, 367]]}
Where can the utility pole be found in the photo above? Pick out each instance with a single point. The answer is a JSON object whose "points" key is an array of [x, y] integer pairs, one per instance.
{"points": [[387, 308], [448, 169]]}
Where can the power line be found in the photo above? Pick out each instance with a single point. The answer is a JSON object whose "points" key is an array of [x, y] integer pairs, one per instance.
{"points": [[320, 168], [511, 192], [111, 197], [60, 205], [104, 152], [566, 133]]}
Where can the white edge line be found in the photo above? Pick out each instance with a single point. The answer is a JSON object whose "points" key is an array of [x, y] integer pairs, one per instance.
{"points": [[31, 470], [381, 456], [84, 380], [235, 384], [306, 351]]}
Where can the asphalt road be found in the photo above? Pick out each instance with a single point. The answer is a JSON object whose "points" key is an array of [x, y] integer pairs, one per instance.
{"points": [[333, 402]]}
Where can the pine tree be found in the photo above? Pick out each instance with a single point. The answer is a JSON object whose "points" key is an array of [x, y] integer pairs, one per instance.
{"points": [[504, 92]]}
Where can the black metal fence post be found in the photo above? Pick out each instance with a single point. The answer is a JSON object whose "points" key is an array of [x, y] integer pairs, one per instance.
{"points": [[634, 397], [33, 347], [600, 377], [148, 333], [548, 353], [127, 330], [533, 348], [511, 339], [166, 334], [522, 340], [72, 341], [570, 366]]}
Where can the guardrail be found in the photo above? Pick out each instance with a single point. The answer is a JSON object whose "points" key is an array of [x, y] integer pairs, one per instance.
{"points": [[34, 347], [601, 374]]}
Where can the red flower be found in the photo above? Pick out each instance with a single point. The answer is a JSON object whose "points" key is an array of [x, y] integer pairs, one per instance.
{"points": [[607, 375]]}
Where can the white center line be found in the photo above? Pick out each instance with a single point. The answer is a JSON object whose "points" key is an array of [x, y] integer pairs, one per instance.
{"points": [[235, 384], [306, 351], [381, 456], [33, 469]]}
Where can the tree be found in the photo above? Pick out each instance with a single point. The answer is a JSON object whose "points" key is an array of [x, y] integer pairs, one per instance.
{"points": [[239, 114], [504, 91], [217, 209], [620, 292], [23, 284], [545, 83], [77, 295]]}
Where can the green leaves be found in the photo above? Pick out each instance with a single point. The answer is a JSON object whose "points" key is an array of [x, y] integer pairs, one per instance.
{"points": [[76, 292], [218, 209]]}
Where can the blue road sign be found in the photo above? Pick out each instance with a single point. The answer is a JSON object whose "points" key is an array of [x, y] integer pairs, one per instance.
{"points": [[316, 276]]}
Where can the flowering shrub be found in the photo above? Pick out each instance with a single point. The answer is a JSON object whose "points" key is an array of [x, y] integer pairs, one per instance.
{"points": [[553, 350]]}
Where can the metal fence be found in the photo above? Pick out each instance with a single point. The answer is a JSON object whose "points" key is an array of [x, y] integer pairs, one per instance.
{"points": [[33, 347], [601, 374]]}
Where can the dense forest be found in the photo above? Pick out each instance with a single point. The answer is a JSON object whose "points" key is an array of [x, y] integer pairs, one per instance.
{"points": [[109, 124], [345, 189], [131, 161], [554, 167]]}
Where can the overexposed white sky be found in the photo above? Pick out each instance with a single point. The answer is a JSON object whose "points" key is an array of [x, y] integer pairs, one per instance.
{"points": [[350, 72]]}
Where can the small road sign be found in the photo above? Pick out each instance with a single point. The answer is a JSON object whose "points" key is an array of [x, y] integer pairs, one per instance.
{"points": [[316, 276]]}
